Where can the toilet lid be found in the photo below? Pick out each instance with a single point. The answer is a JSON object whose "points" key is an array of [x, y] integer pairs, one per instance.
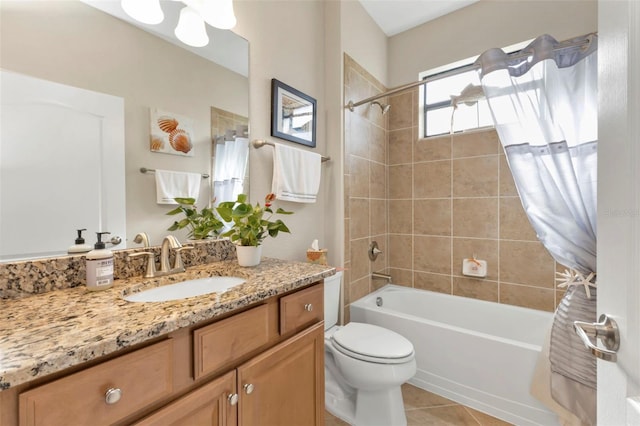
{"points": [[372, 343]]}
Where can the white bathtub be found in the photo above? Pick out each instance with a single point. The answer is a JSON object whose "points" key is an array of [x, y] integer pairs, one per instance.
{"points": [[480, 354]]}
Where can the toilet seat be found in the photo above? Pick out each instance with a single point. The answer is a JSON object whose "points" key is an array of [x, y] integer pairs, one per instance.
{"points": [[371, 343]]}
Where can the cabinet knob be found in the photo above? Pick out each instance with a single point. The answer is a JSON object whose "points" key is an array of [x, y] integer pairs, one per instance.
{"points": [[248, 388], [112, 395], [308, 307], [233, 398]]}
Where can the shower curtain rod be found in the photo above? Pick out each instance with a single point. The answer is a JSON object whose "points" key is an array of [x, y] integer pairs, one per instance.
{"points": [[566, 44]]}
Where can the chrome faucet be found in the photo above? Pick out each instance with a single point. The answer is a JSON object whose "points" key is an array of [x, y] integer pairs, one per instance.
{"points": [[168, 243], [380, 275]]}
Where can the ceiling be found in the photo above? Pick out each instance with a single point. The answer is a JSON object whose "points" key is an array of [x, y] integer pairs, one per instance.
{"points": [[396, 16]]}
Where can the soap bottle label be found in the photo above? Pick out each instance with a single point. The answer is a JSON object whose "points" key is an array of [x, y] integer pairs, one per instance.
{"points": [[100, 272]]}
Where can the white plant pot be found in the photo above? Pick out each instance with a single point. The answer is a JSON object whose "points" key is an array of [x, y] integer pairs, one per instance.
{"points": [[249, 255]]}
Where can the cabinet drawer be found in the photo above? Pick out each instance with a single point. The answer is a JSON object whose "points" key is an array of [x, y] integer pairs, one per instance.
{"points": [[301, 309], [142, 377], [221, 343]]}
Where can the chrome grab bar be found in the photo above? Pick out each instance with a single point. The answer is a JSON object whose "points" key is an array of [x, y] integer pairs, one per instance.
{"points": [[606, 330]]}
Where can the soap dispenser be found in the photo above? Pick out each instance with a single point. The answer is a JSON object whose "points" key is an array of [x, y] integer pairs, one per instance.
{"points": [[80, 246], [99, 266]]}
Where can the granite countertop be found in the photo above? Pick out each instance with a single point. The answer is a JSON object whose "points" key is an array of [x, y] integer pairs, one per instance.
{"points": [[46, 333]]}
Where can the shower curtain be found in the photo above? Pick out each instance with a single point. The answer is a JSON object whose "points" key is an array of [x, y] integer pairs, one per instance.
{"points": [[230, 165], [544, 107]]}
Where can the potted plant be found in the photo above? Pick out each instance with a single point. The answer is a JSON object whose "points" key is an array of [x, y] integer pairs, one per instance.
{"points": [[249, 226], [201, 224]]}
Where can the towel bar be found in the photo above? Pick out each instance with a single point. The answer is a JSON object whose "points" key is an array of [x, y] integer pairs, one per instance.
{"points": [[146, 170], [259, 143]]}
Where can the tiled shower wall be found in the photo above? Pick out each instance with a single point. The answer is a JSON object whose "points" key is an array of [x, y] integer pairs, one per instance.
{"points": [[446, 198], [365, 183]]}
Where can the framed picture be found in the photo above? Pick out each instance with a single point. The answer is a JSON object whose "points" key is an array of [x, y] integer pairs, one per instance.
{"points": [[171, 133], [293, 114]]}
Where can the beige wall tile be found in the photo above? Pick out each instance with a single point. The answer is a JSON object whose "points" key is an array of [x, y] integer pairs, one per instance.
{"points": [[432, 254], [347, 315], [475, 288], [514, 224], [401, 146], [402, 277], [360, 263], [464, 248], [432, 179], [475, 217], [430, 149], [399, 248], [378, 218], [401, 216], [357, 86], [359, 217], [347, 241], [432, 217], [359, 177], [378, 180], [347, 194], [475, 143], [357, 136], [401, 112], [400, 181], [475, 177], [507, 186], [359, 289], [378, 144], [526, 263], [528, 297], [432, 282]]}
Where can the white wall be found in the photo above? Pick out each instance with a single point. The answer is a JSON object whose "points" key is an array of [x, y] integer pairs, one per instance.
{"points": [[287, 43], [363, 40], [472, 30], [71, 43]]}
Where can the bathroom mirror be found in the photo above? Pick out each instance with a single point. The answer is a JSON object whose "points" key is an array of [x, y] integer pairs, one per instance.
{"points": [[90, 47]]}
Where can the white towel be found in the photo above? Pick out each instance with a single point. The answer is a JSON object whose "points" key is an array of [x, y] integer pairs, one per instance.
{"points": [[296, 174], [170, 185]]}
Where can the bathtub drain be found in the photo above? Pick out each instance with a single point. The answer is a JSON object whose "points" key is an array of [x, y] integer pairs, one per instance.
{"points": [[379, 301]]}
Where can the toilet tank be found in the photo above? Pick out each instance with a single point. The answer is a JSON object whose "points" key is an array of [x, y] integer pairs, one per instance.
{"points": [[332, 299]]}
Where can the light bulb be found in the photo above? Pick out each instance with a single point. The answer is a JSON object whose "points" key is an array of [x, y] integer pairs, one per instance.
{"points": [[145, 11], [218, 13], [191, 29]]}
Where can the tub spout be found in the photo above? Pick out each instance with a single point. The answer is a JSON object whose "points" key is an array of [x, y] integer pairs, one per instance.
{"points": [[381, 276]]}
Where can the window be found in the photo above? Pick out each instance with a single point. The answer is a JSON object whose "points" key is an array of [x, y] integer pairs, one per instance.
{"points": [[450, 80], [438, 107]]}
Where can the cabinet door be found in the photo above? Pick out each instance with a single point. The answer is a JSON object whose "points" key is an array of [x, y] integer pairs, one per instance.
{"points": [[285, 385], [211, 404]]}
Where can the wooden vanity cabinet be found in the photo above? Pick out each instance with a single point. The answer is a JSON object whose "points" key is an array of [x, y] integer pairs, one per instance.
{"points": [[262, 366]]}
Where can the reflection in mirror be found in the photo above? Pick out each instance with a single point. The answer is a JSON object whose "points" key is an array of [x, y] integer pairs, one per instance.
{"points": [[80, 46], [230, 155]]}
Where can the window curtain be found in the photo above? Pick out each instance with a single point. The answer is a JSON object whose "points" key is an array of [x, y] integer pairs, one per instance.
{"points": [[230, 165], [544, 107]]}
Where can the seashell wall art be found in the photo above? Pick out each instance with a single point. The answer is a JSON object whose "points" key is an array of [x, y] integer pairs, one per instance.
{"points": [[171, 133]]}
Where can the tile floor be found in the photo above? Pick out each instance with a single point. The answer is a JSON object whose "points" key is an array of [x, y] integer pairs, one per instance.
{"points": [[425, 408]]}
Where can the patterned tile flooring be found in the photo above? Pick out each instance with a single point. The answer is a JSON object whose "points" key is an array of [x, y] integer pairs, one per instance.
{"points": [[426, 409]]}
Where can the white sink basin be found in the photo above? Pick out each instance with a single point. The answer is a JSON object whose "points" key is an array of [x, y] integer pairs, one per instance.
{"points": [[185, 289]]}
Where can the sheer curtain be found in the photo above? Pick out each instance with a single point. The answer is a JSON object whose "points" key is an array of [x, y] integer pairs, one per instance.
{"points": [[544, 108], [230, 165]]}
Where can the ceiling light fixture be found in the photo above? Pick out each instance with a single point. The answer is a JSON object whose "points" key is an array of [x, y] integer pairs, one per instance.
{"points": [[145, 11], [191, 27]]}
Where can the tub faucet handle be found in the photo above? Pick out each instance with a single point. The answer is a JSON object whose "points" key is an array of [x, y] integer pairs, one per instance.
{"points": [[374, 251]]}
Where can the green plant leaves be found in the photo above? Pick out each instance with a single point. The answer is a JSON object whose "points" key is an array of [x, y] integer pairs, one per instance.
{"points": [[249, 228]]}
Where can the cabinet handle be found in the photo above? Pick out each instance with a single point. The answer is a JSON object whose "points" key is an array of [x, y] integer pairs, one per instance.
{"points": [[233, 398], [112, 395], [308, 307], [248, 388]]}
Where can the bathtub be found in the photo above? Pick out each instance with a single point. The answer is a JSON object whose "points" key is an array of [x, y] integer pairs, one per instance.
{"points": [[480, 354]]}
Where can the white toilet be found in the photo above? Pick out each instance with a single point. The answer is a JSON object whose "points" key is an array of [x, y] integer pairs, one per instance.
{"points": [[365, 365]]}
